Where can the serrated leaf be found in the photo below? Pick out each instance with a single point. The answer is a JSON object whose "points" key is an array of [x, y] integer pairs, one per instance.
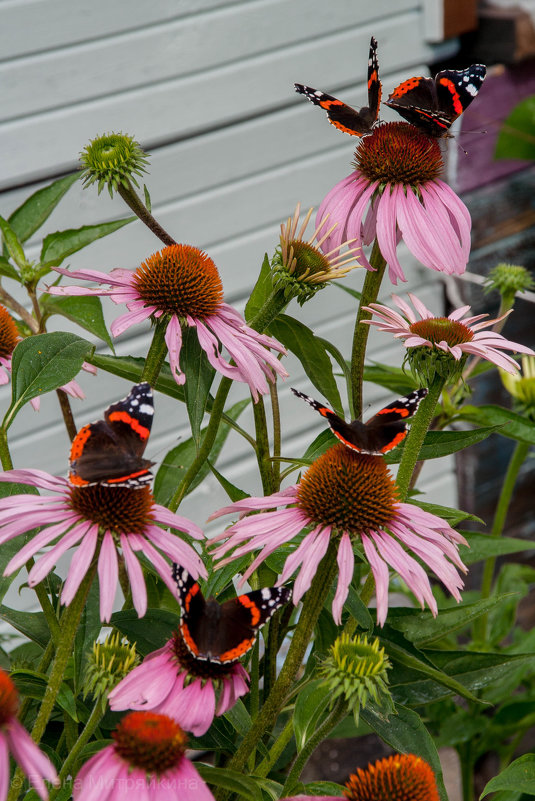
{"points": [[57, 246], [42, 363], [199, 377], [85, 310], [519, 776], [513, 426], [516, 139], [36, 209], [150, 632], [261, 291], [310, 708], [308, 348]]}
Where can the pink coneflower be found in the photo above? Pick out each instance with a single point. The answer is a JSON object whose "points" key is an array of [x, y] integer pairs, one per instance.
{"points": [[183, 283], [171, 682], [456, 334], [349, 498], [395, 193], [9, 339], [111, 519], [146, 762], [15, 739]]}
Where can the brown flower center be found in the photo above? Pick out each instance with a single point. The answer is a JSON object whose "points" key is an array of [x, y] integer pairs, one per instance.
{"points": [[154, 743], [9, 335], [309, 260], [403, 777], [197, 668], [120, 509], [180, 280], [349, 491], [441, 329], [9, 699], [398, 153]]}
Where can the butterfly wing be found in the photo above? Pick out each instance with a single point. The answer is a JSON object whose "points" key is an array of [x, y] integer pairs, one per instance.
{"points": [[374, 84], [457, 88], [193, 611], [349, 433], [388, 428]]}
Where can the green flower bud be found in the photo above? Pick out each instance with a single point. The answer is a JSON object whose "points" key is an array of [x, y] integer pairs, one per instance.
{"points": [[108, 664], [112, 159]]}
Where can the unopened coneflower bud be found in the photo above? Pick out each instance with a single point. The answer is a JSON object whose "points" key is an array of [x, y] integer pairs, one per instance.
{"points": [[356, 671], [112, 160], [109, 662], [508, 279]]}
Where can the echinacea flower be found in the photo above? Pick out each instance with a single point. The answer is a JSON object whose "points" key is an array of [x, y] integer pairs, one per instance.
{"points": [[300, 267], [450, 338], [396, 193], [182, 284], [401, 777], [99, 519], [9, 338], [15, 739], [146, 762], [172, 682], [349, 498]]}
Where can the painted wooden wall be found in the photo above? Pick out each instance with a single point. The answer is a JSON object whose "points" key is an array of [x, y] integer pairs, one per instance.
{"points": [[207, 87]]}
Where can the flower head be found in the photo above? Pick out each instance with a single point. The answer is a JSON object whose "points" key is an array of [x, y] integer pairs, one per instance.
{"points": [[108, 663], [396, 193], [350, 499], [402, 777], [112, 159], [15, 739], [182, 284], [99, 520], [172, 682], [146, 762], [442, 344], [300, 267], [508, 279]]}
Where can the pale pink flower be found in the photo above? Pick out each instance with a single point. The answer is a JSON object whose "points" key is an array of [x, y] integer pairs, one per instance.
{"points": [[457, 334], [182, 283], [145, 763], [346, 497], [395, 193], [112, 519], [15, 739], [171, 682]]}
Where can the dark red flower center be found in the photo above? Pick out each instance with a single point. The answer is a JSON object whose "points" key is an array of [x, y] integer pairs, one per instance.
{"points": [[403, 777], [349, 491], [120, 509], [154, 743], [441, 329], [9, 335], [398, 153], [9, 699], [180, 280], [197, 668]]}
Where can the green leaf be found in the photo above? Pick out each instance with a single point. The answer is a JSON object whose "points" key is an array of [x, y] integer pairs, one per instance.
{"points": [[36, 209], [310, 708], [177, 462], [7, 269], [199, 377], [301, 341], [347, 289], [516, 139], [393, 378], [57, 246], [406, 733], [261, 291], [86, 634], [519, 776], [477, 671], [131, 368], [449, 513], [33, 685], [13, 245], [238, 717], [234, 492], [245, 786], [483, 546], [42, 363], [443, 443], [148, 633], [85, 310], [513, 426], [32, 624], [358, 610], [324, 788]]}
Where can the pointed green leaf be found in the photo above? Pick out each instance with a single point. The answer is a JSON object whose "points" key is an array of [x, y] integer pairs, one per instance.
{"points": [[85, 310], [516, 139], [131, 368], [308, 348], [42, 363], [32, 624], [483, 546], [353, 292], [444, 443], [261, 292], [148, 633], [243, 785], [36, 209], [199, 377], [7, 269], [57, 246], [513, 426], [234, 492], [519, 776], [392, 378], [310, 708], [13, 245]]}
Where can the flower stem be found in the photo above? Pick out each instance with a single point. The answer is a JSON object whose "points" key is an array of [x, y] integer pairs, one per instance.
{"points": [[370, 291], [337, 714], [263, 455], [312, 606], [5, 455], [515, 463], [132, 200], [157, 352], [275, 413], [273, 306], [366, 594], [66, 411], [276, 750], [74, 753], [414, 441]]}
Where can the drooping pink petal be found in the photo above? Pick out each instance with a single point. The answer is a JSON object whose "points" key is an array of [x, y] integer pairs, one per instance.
{"points": [[45, 564], [108, 575], [80, 564], [4, 766], [148, 684], [127, 320], [346, 567], [386, 232], [192, 786], [310, 566], [135, 577], [381, 576], [173, 340], [34, 763]]}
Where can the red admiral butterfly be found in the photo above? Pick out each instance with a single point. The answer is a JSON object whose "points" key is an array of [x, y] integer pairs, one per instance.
{"points": [[382, 433], [222, 633], [343, 117], [434, 104], [109, 452]]}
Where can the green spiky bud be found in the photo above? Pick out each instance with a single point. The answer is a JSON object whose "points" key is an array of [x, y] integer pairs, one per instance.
{"points": [[112, 160], [108, 663], [508, 279]]}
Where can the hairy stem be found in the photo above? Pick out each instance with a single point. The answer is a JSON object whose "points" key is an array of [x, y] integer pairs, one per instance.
{"points": [[131, 198], [157, 352]]}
